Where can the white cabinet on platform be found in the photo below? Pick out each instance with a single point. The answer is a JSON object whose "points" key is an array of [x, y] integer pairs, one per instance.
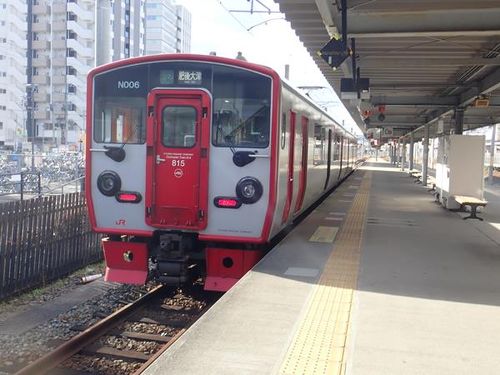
{"points": [[459, 168]]}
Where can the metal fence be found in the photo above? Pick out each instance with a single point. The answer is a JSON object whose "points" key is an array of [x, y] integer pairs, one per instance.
{"points": [[20, 183], [43, 239]]}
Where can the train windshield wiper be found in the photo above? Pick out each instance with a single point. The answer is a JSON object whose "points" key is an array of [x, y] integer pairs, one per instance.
{"points": [[245, 122]]}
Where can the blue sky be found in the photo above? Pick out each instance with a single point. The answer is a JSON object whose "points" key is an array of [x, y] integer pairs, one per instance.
{"points": [[272, 43]]}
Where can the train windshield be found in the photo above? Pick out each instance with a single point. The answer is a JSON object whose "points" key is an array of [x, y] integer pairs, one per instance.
{"points": [[241, 101], [241, 108], [120, 120]]}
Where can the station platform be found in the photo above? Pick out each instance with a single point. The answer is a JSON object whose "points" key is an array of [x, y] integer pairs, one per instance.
{"points": [[379, 279]]}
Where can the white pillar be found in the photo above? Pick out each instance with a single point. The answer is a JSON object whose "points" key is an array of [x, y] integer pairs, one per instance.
{"points": [[425, 156], [412, 143], [492, 153], [403, 156]]}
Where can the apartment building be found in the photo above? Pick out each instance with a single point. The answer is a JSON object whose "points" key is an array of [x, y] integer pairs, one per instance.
{"points": [[128, 28], [43, 75], [13, 77], [168, 27]]}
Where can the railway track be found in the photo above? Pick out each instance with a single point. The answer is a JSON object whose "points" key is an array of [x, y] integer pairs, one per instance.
{"points": [[131, 338]]}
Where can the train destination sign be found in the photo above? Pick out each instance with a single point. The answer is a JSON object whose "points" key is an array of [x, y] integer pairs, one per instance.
{"points": [[192, 77]]}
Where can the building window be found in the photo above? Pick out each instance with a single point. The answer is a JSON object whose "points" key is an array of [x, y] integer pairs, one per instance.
{"points": [[3, 108], [1, 125], [72, 89], [3, 74], [70, 52], [3, 40], [70, 34], [3, 91], [70, 71]]}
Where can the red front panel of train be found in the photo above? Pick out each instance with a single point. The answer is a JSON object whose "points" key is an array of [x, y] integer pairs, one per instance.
{"points": [[178, 143]]}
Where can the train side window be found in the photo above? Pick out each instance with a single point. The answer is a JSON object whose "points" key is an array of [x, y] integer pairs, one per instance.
{"points": [[179, 126], [283, 130], [336, 148], [319, 145]]}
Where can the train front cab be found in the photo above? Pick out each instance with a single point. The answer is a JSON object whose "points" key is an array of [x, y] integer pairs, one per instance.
{"points": [[180, 155]]}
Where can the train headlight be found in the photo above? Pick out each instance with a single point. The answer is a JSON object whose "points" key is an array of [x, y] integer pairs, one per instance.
{"points": [[109, 183], [249, 190]]}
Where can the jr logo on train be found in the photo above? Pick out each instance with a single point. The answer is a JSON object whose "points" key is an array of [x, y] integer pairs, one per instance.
{"points": [[195, 163]]}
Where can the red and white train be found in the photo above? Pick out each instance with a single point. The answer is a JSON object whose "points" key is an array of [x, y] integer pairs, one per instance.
{"points": [[202, 160]]}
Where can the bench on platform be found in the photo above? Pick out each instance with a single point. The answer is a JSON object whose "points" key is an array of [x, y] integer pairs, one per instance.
{"points": [[431, 181], [416, 174], [474, 203]]}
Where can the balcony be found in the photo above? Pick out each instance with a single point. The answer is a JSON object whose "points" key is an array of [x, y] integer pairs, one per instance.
{"points": [[59, 8], [19, 24], [41, 27], [59, 44], [41, 80], [80, 48], [59, 61], [19, 5], [41, 9], [58, 98], [78, 65], [41, 97], [41, 115], [79, 30], [59, 26], [41, 62], [41, 44], [80, 12], [59, 80]]}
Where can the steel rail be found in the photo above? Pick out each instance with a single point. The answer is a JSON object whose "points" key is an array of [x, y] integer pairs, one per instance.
{"points": [[78, 342]]}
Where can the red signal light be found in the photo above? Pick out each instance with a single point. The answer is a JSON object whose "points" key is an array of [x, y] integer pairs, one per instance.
{"points": [[227, 202], [128, 197]]}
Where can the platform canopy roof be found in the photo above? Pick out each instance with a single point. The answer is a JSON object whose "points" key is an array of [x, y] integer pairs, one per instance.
{"points": [[424, 58]]}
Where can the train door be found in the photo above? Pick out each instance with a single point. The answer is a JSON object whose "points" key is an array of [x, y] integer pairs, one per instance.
{"points": [[178, 137], [341, 156], [329, 160], [291, 161], [303, 165]]}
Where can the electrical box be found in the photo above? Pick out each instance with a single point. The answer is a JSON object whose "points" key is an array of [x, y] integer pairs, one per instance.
{"points": [[459, 168]]}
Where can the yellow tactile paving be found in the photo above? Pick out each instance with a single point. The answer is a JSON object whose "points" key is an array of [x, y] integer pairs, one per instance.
{"points": [[320, 342]]}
